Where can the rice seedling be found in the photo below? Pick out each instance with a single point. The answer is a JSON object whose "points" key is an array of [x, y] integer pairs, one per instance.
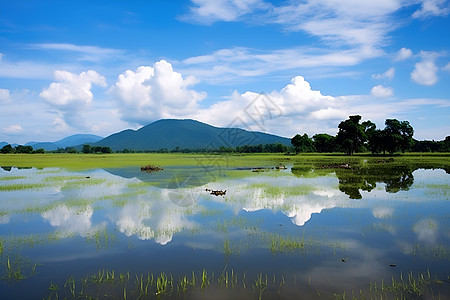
{"points": [[70, 284], [183, 284], [143, 283], [53, 290], [162, 284], [14, 269], [103, 276], [5, 178], [260, 285], [21, 187], [226, 247], [205, 280], [280, 244]]}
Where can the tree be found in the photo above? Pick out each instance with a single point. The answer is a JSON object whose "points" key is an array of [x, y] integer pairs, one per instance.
{"points": [[7, 149], [351, 134], [324, 142], [398, 135], [376, 138], [24, 149], [87, 149], [302, 143], [39, 151], [407, 132]]}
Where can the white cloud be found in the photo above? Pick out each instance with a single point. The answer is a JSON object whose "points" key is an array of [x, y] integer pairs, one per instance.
{"points": [[72, 93], [5, 95], [431, 8], [60, 125], [426, 231], [90, 53], [403, 54], [425, 73], [70, 220], [380, 91], [346, 23], [209, 11], [382, 212], [235, 63], [389, 74], [151, 93], [13, 129], [72, 88], [298, 107]]}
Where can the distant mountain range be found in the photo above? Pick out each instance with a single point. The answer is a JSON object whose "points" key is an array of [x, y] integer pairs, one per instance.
{"points": [[70, 141], [169, 134]]}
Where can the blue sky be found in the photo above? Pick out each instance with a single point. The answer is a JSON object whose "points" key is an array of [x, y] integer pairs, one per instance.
{"points": [[282, 67]]}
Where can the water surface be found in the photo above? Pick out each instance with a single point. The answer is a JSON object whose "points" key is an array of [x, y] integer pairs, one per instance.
{"points": [[315, 232]]}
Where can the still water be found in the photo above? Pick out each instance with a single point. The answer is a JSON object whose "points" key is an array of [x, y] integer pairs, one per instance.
{"points": [[275, 233]]}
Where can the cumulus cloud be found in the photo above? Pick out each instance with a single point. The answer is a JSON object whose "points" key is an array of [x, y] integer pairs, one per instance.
{"points": [[430, 8], [70, 220], [151, 93], [72, 93], [294, 108], [380, 91], [403, 54], [389, 74], [424, 73]]}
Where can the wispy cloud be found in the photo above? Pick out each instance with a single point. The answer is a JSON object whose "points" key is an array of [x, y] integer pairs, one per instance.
{"points": [[88, 53], [430, 8], [348, 31], [13, 129], [207, 11], [238, 62]]}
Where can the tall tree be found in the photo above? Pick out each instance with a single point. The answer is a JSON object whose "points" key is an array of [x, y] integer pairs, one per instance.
{"points": [[302, 143], [7, 149], [24, 149], [407, 132], [375, 137], [87, 149], [324, 142], [398, 135], [351, 134]]}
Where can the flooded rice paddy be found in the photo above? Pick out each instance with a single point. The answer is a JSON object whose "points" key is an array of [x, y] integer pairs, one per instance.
{"points": [[324, 231]]}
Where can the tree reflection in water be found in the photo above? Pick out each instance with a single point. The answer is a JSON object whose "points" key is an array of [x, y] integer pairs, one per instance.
{"points": [[353, 180]]}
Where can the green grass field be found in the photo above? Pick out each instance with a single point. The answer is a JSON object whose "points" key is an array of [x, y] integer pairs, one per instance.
{"points": [[91, 161]]}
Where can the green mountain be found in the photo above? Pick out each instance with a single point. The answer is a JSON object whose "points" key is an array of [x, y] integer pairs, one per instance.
{"points": [[191, 134]]}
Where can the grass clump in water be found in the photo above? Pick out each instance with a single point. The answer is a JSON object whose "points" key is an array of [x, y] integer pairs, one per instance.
{"points": [[283, 244]]}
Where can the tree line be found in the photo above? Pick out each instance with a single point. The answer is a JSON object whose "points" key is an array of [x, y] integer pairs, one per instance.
{"points": [[20, 149], [354, 136]]}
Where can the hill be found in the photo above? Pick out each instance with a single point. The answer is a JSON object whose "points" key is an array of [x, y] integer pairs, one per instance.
{"points": [[169, 133], [70, 141]]}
